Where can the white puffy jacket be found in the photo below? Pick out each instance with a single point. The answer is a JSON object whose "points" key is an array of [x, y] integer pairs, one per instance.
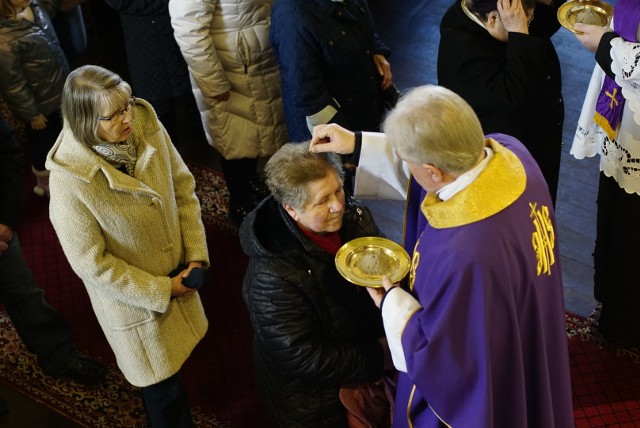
{"points": [[226, 46]]}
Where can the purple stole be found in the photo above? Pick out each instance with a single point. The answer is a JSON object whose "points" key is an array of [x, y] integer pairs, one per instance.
{"points": [[610, 101]]}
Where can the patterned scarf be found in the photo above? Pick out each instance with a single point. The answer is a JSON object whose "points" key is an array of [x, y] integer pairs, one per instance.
{"points": [[119, 154], [610, 101]]}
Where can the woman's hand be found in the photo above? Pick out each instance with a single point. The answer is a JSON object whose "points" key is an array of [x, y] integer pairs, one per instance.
{"points": [[513, 17], [179, 290], [332, 138], [384, 69], [39, 122], [222, 97], [590, 35], [6, 235]]}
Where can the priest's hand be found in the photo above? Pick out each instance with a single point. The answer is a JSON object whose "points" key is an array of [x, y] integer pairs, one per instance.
{"points": [[332, 138], [377, 294]]}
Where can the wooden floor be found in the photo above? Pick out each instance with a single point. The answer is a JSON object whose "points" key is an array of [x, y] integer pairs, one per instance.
{"points": [[410, 28]]}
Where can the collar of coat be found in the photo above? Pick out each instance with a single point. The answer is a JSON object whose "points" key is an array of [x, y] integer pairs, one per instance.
{"points": [[501, 183], [76, 158]]}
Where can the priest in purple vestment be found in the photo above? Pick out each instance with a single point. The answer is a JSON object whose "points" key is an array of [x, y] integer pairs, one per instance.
{"points": [[478, 332]]}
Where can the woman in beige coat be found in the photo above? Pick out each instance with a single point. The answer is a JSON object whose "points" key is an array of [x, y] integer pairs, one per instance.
{"points": [[124, 208], [236, 81]]}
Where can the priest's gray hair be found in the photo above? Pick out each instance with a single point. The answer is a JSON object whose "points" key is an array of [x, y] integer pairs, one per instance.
{"points": [[293, 167], [433, 125]]}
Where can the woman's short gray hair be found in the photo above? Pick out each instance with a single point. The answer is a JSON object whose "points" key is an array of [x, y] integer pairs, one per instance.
{"points": [[88, 92], [433, 125], [293, 167]]}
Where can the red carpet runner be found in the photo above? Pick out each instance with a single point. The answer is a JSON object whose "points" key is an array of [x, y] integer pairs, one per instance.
{"points": [[605, 377], [219, 374]]}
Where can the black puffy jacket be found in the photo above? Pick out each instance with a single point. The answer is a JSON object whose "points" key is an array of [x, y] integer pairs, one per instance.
{"points": [[314, 331]]}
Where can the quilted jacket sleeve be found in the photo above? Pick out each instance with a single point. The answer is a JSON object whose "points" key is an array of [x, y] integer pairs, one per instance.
{"points": [[191, 22], [291, 331]]}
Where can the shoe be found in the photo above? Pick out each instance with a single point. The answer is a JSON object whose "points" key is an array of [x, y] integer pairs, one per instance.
{"points": [[42, 182], [86, 371], [3, 406]]}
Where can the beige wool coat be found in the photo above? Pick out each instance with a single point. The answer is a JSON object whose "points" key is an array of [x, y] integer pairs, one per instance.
{"points": [[122, 235]]}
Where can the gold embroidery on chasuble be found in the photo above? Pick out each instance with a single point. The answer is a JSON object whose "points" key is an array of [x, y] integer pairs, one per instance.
{"points": [[415, 261], [543, 239], [501, 183]]}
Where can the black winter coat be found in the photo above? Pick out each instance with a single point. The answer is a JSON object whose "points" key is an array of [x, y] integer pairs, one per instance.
{"points": [[157, 68], [314, 331], [514, 87], [11, 172], [325, 51]]}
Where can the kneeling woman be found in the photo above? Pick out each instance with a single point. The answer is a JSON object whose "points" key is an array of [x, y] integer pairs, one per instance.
{"points": [[314, 331]]}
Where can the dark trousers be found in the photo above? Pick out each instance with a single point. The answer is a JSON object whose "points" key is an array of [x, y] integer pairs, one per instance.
{"points": [[39, 325], [41, 141], [238, 174], [167, 405], [616, 262]]}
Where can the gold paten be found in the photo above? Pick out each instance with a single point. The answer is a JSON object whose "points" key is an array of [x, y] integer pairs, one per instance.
{"points": [[364, 261], [591, 12]]}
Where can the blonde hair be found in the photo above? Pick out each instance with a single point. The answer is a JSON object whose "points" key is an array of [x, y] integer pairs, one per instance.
{"points": [[433, 125], [293, 167], [88, 92]]}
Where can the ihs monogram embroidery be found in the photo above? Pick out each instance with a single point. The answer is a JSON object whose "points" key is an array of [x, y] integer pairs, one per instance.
{"points": [[415, 261], [543, 239]]}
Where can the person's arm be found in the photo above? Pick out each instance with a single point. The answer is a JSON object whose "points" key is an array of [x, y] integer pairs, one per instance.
{"points": [[191, 22], [397, 307], [10, 183], [545, 19], [189, 211], [617, 57], [11, 154], [625, 62], [16, 91], [290, 330], [301, 62], [470, 63], [380, 174]]}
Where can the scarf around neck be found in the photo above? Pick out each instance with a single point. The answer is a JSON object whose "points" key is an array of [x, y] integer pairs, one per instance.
{"points": [[610, 102], [124, 153]]}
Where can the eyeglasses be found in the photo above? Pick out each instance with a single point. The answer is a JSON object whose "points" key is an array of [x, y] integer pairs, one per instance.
{"points": [[119, 114]]}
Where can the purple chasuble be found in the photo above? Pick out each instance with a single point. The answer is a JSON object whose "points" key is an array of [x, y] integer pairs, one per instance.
{"points": [[488, 348], [610, 101]]}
